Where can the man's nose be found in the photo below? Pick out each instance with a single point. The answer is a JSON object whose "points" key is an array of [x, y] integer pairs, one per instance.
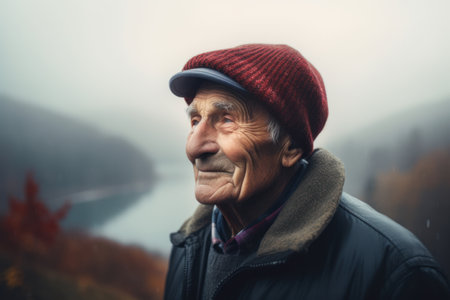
{"points": [[202, 140]]}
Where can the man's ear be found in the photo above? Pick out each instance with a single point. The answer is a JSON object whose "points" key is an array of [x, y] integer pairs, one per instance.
{"points": [[290, 154]]}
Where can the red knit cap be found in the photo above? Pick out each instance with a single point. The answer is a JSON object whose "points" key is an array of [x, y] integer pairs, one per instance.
{"points": [[282, 79]]}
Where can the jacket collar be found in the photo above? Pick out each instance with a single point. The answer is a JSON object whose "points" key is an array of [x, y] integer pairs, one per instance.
{"points": [[306, 213]]}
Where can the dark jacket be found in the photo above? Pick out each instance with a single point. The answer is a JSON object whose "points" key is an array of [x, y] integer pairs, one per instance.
{"points": [[324, 244]]}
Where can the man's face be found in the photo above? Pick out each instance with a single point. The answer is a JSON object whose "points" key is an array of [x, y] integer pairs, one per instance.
{"points": [[233, 155]]}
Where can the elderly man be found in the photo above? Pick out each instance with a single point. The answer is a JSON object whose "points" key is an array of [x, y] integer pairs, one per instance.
{"points": [[273, 222]]}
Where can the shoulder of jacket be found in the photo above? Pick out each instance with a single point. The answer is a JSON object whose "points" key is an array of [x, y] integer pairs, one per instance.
{"points": [[198, 221], [404, 257], [386, 231]]}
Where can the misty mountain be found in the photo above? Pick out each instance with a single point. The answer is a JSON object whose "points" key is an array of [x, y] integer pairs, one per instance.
{"points": [[70, 160], [395, 143], [400, 166]]}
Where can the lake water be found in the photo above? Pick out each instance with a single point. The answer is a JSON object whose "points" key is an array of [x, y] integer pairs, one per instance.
{"points": [[155, 215]]}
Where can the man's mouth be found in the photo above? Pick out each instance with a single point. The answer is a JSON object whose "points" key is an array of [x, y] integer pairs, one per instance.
{"points": [[214, 166], [212, 170]]}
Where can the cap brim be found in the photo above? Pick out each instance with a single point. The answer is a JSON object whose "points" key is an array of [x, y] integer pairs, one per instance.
{"points": [[186, 83]]}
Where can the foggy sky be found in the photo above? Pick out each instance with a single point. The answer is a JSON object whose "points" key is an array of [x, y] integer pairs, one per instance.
{"points": [[108, 62]]}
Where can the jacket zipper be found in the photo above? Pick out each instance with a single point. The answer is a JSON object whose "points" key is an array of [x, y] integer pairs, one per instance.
{"points": [[186, 279], [187, 268], [238, 270]]}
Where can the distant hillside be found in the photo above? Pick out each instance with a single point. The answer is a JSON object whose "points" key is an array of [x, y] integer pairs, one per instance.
{"points": [[69, 159], [402, 168], [395, 143]]}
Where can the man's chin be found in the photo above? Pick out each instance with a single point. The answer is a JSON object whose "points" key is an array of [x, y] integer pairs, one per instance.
{"points": [[210, 195]]}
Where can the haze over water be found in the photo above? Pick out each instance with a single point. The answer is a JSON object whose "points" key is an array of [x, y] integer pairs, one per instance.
{"points": [[149, 222]]}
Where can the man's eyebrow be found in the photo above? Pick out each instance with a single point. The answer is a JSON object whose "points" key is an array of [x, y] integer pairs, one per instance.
{"points": [[221, 106], [225, 106], [191, 110]]}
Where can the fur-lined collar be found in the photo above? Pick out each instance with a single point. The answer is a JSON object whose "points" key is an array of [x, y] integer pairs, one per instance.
{"points": [[306, 213]]}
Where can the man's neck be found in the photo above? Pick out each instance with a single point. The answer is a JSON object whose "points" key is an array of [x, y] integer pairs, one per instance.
{"points": [[240, 215]]}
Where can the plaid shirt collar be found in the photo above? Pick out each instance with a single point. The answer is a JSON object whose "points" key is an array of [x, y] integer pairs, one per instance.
{"points": [[249, 237]]}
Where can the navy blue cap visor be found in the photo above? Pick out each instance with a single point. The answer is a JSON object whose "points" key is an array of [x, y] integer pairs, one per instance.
{"points": [[186, 83]]}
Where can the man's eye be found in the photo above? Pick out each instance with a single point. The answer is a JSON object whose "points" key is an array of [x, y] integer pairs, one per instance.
{"points": [[227, 120], [194, 122]]}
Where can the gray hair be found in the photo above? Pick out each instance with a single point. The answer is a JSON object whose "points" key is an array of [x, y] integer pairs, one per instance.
{"points": [[274, 129], [277, 131]]}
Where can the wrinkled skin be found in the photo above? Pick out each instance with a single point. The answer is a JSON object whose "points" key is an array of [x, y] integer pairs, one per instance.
{"points": [[236, 164]]}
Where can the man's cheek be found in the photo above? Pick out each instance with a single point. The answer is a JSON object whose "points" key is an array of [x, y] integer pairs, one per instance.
{"points": [[233, 151]]}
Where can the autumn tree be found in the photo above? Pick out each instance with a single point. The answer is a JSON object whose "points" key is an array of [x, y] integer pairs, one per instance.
{"points": [[29, 224]]}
